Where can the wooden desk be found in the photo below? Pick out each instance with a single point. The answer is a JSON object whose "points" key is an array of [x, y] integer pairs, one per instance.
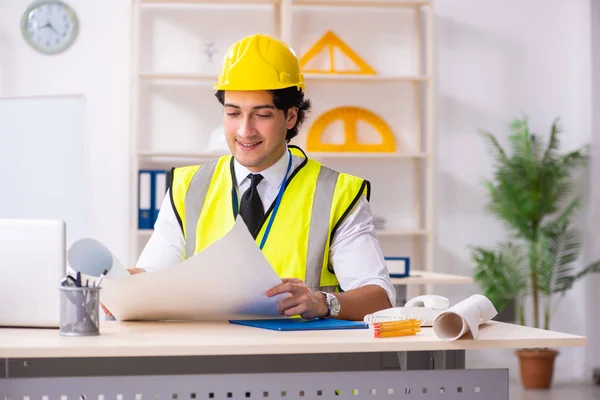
{"points": [[187, 360], [141, 339]]}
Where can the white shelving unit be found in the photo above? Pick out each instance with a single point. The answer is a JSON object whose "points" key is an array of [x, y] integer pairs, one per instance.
{"points": [[170, 76]]}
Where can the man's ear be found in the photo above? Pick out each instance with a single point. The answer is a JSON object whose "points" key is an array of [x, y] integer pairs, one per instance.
{"points": [[292, 117]]}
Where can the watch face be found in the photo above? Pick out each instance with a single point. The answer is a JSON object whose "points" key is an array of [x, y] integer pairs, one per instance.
{"points": [[335, 305], [49, 26]]}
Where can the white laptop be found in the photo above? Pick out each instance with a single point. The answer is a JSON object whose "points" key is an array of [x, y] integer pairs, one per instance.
{"points": [[32, 264]]}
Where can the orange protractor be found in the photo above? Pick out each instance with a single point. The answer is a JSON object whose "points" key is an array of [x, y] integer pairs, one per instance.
{"points": [[350, 117]]}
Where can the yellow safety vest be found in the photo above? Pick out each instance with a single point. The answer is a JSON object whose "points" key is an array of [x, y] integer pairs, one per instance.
{"points": [[315, 201]]}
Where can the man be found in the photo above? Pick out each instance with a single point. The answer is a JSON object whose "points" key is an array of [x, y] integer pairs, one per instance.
{"points": [[313, 224]]}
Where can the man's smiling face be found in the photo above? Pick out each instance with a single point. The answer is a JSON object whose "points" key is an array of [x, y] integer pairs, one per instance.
{"points": [[255, 129]]}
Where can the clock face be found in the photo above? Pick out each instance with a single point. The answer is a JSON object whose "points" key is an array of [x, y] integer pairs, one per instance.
{"points": [[49, 26]]}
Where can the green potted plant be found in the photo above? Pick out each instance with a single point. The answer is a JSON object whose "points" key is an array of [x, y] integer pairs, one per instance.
{"points": [[531, 193]]}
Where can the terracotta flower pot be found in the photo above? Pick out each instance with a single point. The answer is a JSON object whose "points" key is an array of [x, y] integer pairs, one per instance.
{"points": [[537, 367]]}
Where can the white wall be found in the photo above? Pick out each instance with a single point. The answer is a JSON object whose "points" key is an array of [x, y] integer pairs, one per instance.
{"points": [[498, 60], [593, 249], [96, 66]]}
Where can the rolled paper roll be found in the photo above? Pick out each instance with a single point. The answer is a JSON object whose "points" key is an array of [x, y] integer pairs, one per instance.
{"points": [[464, 317]]}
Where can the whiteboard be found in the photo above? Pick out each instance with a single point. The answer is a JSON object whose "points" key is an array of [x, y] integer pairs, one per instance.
{"points": [[44, 167]]}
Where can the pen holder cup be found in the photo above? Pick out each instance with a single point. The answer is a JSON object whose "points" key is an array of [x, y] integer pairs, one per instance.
{"points": [[79, 311]]}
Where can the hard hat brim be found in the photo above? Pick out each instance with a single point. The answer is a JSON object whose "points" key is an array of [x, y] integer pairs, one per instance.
{"points": [[225, 86]]}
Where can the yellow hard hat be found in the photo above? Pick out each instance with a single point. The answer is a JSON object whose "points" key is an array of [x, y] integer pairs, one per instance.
{"points": [[260, 62]]}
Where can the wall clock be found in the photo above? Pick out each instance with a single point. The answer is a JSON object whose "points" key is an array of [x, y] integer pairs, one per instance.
{"points": [[49, 26]]}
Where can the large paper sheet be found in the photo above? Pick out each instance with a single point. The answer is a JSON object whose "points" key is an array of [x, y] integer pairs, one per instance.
{"points": [[464, 317], [227, 280]]}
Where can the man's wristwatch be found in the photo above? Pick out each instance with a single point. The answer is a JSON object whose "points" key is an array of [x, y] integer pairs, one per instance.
{"points": [[333, 305]]}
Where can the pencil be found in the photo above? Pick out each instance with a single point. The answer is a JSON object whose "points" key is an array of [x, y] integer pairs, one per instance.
{"points": [[398, 324], [397, 328], [394, 329], [397, 333]]}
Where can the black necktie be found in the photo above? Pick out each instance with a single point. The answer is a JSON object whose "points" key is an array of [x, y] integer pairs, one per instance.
{"points": [[251, 208]]}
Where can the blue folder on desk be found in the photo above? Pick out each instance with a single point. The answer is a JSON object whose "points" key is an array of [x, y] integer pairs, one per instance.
{"points": [[298, 324]]}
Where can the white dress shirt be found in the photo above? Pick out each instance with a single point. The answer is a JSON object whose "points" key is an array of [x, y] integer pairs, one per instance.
{"points": [[354, 253]]}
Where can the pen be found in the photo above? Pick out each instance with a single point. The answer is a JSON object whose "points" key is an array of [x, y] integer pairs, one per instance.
{"points": [[101, 277]]}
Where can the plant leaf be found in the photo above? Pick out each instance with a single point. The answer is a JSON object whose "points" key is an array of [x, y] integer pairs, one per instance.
{"points": [[500, 273], [498, 151], [560, 249], [553, 142], [568, 281]]}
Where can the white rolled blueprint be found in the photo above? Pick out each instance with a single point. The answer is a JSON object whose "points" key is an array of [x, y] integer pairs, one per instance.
{"points": [[464, 317]]}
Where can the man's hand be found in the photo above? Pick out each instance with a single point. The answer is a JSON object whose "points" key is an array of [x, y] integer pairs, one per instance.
{"points": [[301, 299], [132, 271]]}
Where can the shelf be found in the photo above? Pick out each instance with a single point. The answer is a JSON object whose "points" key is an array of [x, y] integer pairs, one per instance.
{"points": [[145, 232], [380, 232], [327, 3], [432, 278], [209, 2], [363, 3], [201, 78], [401, 232], [178, 77], [366, 155], [178, 155], [366, 78], [314, 155]]}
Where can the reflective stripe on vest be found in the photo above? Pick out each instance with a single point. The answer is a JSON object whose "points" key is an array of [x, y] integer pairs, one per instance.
{"points": [[319, 227], [194, 200]]}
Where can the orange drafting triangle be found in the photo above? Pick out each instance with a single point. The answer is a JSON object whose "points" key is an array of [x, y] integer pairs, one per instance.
{"points": [[331, 41]]}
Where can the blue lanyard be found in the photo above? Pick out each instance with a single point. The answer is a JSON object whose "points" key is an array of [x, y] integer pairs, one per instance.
{"points": [[277, 202]]}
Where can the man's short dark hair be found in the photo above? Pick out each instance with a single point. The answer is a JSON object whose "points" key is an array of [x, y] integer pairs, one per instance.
{"points": [[284, 99]]}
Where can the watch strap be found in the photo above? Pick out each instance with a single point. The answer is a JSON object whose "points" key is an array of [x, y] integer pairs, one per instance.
{"points": [[327, 303]]}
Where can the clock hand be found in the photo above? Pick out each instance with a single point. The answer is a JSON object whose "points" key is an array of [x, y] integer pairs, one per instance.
{"points": [[51, 27]]}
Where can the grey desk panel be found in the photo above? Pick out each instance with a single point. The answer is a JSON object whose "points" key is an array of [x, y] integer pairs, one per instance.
{"points": [[430, 385], [112, 366]]}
